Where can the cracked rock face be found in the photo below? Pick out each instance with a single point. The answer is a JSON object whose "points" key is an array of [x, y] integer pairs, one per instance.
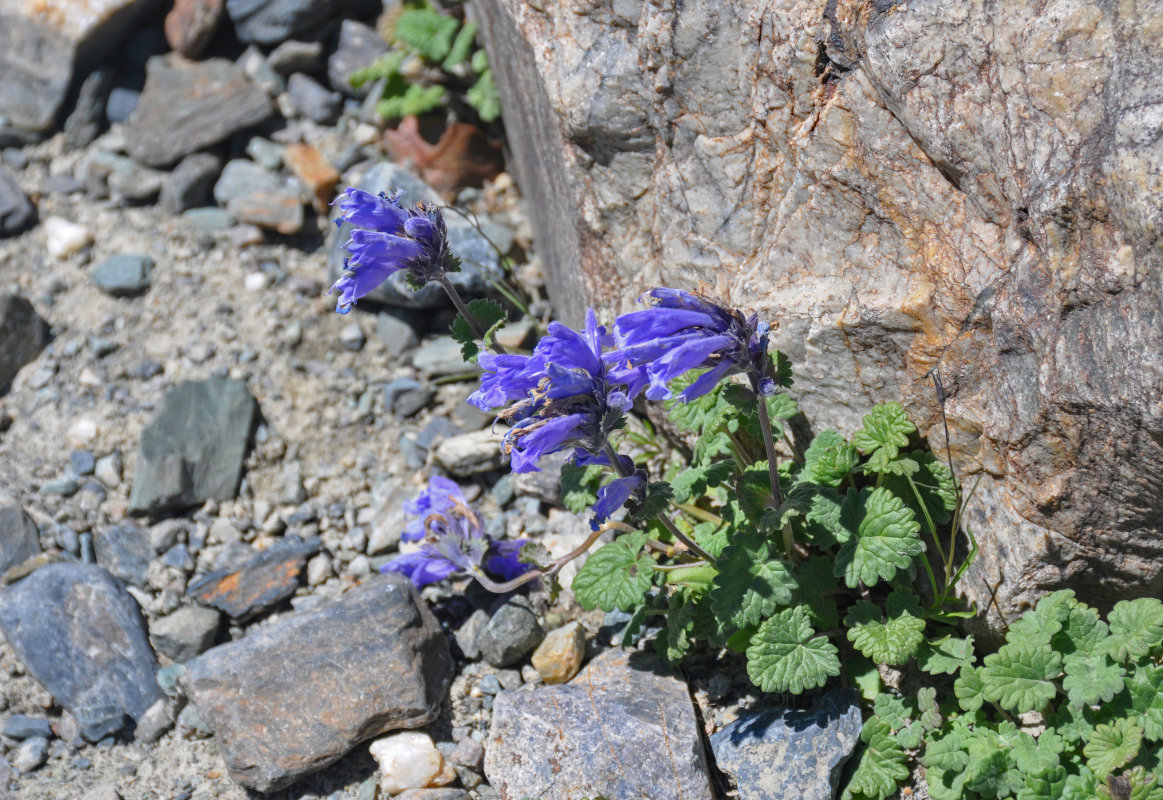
{"points": [[898, 187]]}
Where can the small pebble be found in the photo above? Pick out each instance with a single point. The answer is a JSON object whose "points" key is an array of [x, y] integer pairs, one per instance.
{"points": [[255, 281], [409, 760], [63, 238], [559, 656], [31, 754], [351, 337]]}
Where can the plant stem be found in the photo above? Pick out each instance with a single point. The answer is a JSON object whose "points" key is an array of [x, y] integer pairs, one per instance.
{"points": [[769, 446], [666, 522], [477, 328]]}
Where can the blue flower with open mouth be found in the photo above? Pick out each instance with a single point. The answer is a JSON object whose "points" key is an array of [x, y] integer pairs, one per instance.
{"points": [[439, 496], [564, 395], [682, 331], [389, 238], [455, 542]]}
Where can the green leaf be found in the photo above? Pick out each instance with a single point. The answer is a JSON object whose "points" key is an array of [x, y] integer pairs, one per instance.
{"points": [[1136, 628], [484, 95], [1081, 632], [1111, 746], [489, 313], [1083, 786], [656, 501], [579, 486], [781, 406], [886, 427], [785, 655], [928, 709], [969, 689], [1035, 756], [753, 491], [1048, 785], [946, 655], [701, 413], [616, 576], [415, 101], [692, 483], [882, 762], [991, 771], [824, 523], [461, 47], [1040, 625], [387, 67], [892, 641], [780, 368], [947, 752], [893, 710], [887, 540], [1145, 687], [815, 586], [712, 537], [945, 784], [933, 480], [1091, 678], [751, 584], [910, 737], [480, 61], [426, 31], [1020, 676], [680, 624]]}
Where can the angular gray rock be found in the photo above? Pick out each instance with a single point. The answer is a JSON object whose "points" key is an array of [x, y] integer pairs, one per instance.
{"points": [[575, 740], [186, 633], [191, 182], [901, 186], [359, 46], [16, 212], [193, 450], [19, 537], [81, 635], [87, 119], [124, 551], [23, 334], [42, 44], [258, 583], [123, 275], [295, 696], [272, 21], [186, 106], [512, 633], [313, 101], [785, 752], [479, 262]]}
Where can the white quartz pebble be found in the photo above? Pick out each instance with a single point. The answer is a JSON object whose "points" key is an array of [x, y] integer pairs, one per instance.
{"points": [[63, 238], [409, 760]]}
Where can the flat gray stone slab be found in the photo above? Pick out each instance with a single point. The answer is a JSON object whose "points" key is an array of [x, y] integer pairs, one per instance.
{"points": [[81, 635], [19, 538], [193, 450], [297, 695], [186, 106], [785, 752], [622, 728]]}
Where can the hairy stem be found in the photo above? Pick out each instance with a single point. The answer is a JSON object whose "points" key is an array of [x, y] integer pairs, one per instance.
{"points": [[769, 446]]}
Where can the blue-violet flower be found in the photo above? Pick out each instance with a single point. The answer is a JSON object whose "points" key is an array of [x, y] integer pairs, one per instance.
{"points": [[389, 238], [455, 542], [682, 331]]}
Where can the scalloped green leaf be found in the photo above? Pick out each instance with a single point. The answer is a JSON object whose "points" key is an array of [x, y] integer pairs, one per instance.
{"points": [[616, 576], [894, 711], [824, 525], [426, 31], [656, 501], [751, 584], [1145, 687], [489, 313], [928, 710], [1020, 676], [1082, 630], [947, 752], [882, 762], [692, 483], [829, 459], [968, 689], [1091, 678], [887, 540], [946, 655], [1111, 746], [579, 486], [786, 655], [891, 637], [1136, 628], [815, 584], [1081, 786], [1041, 624], [886, 427], [991, 772], [1048, 785]]}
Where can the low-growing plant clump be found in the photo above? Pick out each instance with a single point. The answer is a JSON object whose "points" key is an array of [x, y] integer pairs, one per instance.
{"points": [[821, 562]]}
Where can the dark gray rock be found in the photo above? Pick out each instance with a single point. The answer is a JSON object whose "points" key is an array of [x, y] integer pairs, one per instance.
{"points": [[411, 401], [193, 450], [16, 212], [19, 538], [87, 119], [272, 21], [186, 633], [121, 103], [30, 754], [124, 551], [22, 726], [187, 106], [154, 723], [42, 44], [784, 752], [479, 262], [372, 661], [358, 46], [82, 462], [312, 101], [293, 56], [23, 334], [512, 633], [576, 740], [123, 275], [107, 174], [190, 184], [258, 584], [179, 557], [82, 636]]}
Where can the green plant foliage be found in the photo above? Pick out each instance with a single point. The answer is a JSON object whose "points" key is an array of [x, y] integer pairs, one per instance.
{"points": [[891, 639], [415, 100], [489, 313], [1021, 676], [829, 459], [946, 655], [427, 31], [617, 576], [752, 584], [485, 97], [786, 655], [882, 762], [888, 540], [1136, 628]]}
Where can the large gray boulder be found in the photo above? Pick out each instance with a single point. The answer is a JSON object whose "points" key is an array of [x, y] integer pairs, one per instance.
{"points": [[899, 187], [42, 45]]}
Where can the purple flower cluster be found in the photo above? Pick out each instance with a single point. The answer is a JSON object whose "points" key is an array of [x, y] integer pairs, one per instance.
{"points": [[389, 238], [682, 331], [455, 542], [563, 396]]}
